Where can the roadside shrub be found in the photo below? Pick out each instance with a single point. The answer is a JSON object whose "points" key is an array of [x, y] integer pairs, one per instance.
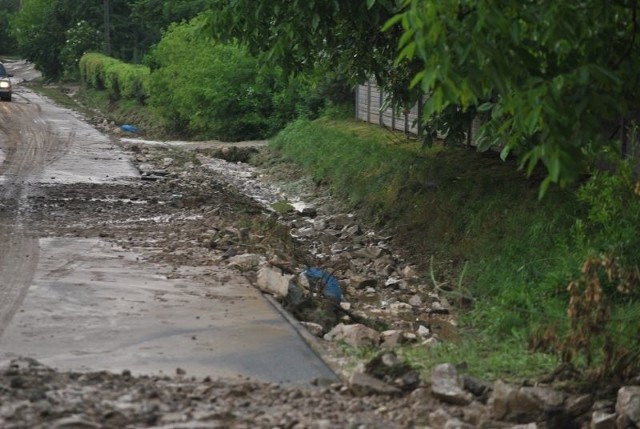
{"points": [[121, 80], [92, 69], [214, 90], [207, 89]]}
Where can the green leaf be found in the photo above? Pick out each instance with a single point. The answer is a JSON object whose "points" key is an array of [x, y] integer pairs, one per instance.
{"points": [[417, 79], [553, 166], [370, 3], [485, 107], [544, 186], [392, 21], [504, 153]]}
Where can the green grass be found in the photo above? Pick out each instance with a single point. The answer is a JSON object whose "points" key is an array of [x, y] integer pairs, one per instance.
{"points": [[483, 357], [471, 221], [57, 94], [125, 111]]}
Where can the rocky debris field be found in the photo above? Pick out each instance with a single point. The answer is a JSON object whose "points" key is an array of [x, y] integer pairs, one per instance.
{"points": [[191, 208]]}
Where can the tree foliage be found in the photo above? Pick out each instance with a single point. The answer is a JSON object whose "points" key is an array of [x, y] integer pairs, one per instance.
{"points": [[220, 92], [301, 35], [41, 29], [547, 77], [8, 9], [55, 33]]}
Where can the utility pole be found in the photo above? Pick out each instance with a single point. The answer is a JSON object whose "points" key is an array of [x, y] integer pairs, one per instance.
{"points": [[107, 27]]}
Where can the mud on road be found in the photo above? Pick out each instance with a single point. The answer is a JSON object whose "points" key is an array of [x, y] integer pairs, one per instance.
{"points": [[75, 210], [62, 182]]}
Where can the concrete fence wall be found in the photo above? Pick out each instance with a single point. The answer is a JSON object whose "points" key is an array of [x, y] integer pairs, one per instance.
{"points": [[370, 107]]}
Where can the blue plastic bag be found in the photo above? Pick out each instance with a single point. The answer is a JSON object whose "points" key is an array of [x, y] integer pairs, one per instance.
{"points": [[129, 128], [332, 290]]}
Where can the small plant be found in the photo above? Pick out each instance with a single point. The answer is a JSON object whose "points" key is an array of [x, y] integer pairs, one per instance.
{"points": [[282, 207]]}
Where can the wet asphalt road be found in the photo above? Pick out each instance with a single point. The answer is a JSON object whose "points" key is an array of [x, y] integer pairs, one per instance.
{"points": [[82, 303]]}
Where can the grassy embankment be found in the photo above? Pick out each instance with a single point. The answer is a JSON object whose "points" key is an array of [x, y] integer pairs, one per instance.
{"points": [[472, 222]]}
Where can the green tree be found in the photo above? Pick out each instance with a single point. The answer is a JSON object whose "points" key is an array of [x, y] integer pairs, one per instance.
{"points": [[41, 28], [151, 17], [547, 77], [302, 35], [40, 36], [8, 9], [79, 39], [214, 90]]}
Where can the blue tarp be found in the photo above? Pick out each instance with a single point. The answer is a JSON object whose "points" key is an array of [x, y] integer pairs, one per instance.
{"points": [[129, 128], [331, 289]]}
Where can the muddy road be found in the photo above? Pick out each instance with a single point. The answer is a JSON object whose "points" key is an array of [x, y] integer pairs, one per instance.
{"points": [[119, 306], [77, 295]]}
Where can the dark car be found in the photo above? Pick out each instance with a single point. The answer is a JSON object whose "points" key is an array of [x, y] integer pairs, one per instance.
{"points": [[5, 84]]}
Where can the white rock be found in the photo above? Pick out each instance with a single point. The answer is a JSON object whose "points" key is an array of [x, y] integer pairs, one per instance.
{"points": [[246, 261], [446, 386], [272, 280], [356, 335], [628, 403], [602, 420], [313, 328], [423, 331]]}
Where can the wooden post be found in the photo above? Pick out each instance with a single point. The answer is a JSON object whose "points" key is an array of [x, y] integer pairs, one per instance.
{"points": [[369, 101]]}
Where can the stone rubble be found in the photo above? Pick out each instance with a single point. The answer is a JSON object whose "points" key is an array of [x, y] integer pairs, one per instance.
{"points": [[388, 304]]}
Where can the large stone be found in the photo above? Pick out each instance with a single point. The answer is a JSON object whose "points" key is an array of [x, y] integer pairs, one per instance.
{"points": [[578, 405], [369, 252], [603, 420], [440, 419], [524, 403], [274, 281], [314, 328], [362, 384], [446, 386], [245, 261], [359, 282], [628, 403], [393, 338], [356, 335], [502, 396]]}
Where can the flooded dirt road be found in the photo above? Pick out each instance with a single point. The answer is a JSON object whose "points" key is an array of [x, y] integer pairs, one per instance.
{"points": [[77, 294]]}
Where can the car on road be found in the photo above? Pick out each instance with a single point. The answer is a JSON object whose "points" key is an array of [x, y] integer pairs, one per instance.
{"points": [[5, 84]]}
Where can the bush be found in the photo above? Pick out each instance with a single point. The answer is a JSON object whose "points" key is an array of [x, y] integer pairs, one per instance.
{"points": [[121, 80], [214, 90], [207, 89]]}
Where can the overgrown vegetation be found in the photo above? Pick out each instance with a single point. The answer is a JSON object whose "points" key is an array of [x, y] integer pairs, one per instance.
{"points": [[221, 93], [509, 262], [218, 93], [119, 79]]}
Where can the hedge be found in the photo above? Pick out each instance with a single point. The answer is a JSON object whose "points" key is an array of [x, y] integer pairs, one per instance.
{"points": [[121, 80]]}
